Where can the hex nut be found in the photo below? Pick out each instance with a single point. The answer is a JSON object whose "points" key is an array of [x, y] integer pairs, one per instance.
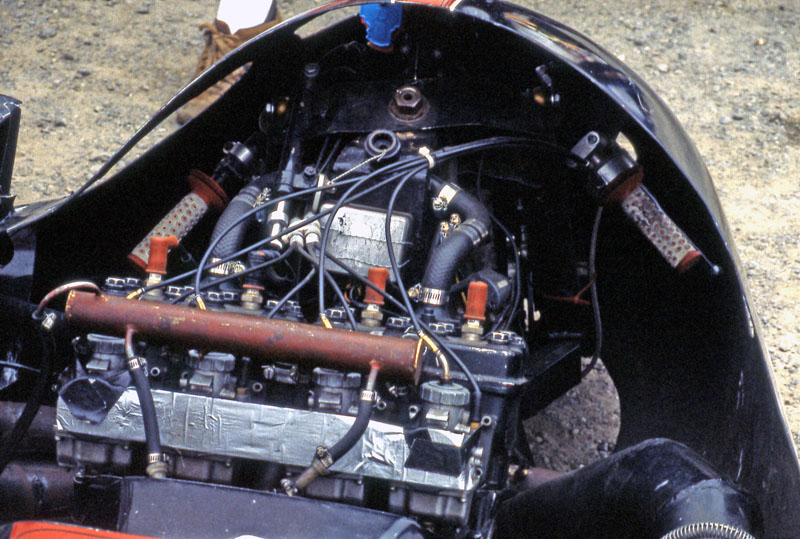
{"points": [[408, 104]]}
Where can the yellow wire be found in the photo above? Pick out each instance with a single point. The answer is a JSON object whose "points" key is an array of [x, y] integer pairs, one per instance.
{"points": [[325, 322], [439, 355]]}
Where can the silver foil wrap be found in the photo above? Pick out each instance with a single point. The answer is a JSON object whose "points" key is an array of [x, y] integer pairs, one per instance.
{"points": [[222, 427], [358, 237]]}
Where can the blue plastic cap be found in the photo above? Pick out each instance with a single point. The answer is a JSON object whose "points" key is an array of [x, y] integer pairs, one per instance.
{"points": [[381, 20]]}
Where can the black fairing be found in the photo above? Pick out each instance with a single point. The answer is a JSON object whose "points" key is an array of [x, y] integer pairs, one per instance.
{"points": [[684, 352]]}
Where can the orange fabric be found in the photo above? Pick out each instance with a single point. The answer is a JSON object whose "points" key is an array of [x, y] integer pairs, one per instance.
{"points": [[50, 530]]}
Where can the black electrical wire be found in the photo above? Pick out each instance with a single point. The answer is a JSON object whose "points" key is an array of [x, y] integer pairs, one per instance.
{"points": [[289, 295], [233, 276], [19, 366], [9, 444], [321, 168], [366, 282], [344, 199], [291, 228], [332, 282], [321, 153], [419, 326], [246, 215], [502, 320], [598, 324], [406, 164], [394, 167], [517, 278]]}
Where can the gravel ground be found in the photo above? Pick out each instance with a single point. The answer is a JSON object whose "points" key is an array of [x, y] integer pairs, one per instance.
{"points": [[90, 71]]}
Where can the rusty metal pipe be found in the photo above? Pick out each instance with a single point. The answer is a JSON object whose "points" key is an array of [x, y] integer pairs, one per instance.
{"points": [[40, 438], [34, 490], [260, 338]]}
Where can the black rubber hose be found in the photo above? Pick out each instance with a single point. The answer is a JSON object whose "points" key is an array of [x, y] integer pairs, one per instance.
{"points": [[243, 202], [469, 207], [445, 260], [149, 417], [645, 491], [474, 230], [9, 443], [156, 467], [448, 256], [356, 431]]}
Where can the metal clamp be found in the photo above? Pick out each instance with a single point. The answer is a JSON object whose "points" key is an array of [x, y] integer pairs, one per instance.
{"points": [[433, 296], [136, 363]]}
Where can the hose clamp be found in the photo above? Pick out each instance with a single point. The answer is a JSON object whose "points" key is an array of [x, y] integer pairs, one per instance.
{"points": [[322, 460], [445, 196], [153, 458], [476, 230], [136, 363], [369, 396], [433, 296]]}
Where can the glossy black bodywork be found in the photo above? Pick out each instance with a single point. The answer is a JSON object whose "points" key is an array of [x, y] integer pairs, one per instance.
{"points": [[9, 127], [684, 352]]}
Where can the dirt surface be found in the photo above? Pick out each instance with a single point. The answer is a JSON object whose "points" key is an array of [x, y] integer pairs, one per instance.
{"points": [[90, 71]]}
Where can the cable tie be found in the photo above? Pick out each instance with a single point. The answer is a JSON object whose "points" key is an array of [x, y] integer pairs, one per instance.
{"points": [[426, 153]]}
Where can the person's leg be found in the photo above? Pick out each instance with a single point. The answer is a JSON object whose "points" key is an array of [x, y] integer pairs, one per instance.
{"points": [[237, 21]]}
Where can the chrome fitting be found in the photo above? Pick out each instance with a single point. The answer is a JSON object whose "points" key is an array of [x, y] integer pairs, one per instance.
{"points": [[157, 470], [472, 330], [289, 487], [252, 299], [49, 321], [371, 316]]}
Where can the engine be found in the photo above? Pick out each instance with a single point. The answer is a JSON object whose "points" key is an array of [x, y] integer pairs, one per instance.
{"points": [[362, 297]]}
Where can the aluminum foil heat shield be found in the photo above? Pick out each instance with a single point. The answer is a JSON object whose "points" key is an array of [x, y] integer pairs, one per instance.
{"points": [[222, 427]]}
